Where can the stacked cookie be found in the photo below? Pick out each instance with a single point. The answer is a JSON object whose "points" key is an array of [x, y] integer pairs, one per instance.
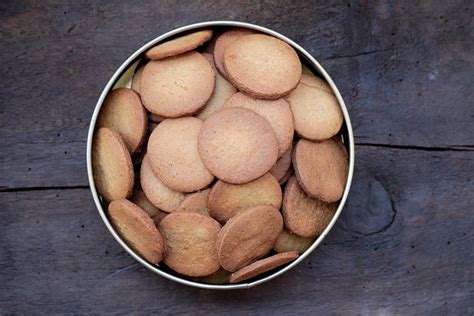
{"points": [[241, 168]]}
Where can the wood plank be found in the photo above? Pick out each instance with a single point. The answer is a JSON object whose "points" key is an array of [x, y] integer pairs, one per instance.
{"points": [[404, 69], [402, 246]]}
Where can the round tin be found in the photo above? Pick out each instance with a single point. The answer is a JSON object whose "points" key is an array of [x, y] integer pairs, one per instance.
{"points": [[346, 132]]}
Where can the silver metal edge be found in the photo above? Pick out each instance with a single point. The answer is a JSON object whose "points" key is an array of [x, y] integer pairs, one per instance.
{"points": [[127, 62]]}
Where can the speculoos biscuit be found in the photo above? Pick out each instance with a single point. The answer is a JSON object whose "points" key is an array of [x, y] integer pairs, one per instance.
{"points": [[190, 243], [173, 154], [163, 197], [316, 112], [276, 112], [262, 266], [237, 145], [262, 66], [196, 202], [222, 92], [139, 198], [179, 45], [226, 200], [123, 112], [111, 165], [177, 86], [321, 168], [304, 215], [248, 236], [224, 40], [137, 229]]}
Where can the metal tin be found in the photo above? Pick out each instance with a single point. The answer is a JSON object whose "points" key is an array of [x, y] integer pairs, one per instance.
{"points": [[346, 132]]}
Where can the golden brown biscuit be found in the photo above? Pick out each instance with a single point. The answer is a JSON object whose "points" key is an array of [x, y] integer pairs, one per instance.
{"points": [[222, 92], [136, 79], [190, 243], [303, 215], [317, 113], [196, 202], [262, 66], [292, 242], [140, 199], [226, 199], [262, 266], [135, 226], [248, 236], [177, 86], [281, 167], [219, 277], [112, 166], [237, 145], [156, 191], [223, 41], [123, 112], [276, 112], [179, 45], [173, 154], [315, 82], [321, 168]]}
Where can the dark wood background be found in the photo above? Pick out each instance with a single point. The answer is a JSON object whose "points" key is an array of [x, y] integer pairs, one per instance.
{"points": [[404, 243]]}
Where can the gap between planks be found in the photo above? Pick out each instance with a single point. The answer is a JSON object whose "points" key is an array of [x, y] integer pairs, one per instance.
{"points": [[465, 148]]}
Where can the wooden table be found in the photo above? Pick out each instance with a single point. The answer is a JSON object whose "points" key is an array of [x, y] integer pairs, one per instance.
{"points": [[404, 243]]}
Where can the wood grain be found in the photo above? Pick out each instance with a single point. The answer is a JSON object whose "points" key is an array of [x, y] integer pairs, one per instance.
{"points": [[402, 246]]}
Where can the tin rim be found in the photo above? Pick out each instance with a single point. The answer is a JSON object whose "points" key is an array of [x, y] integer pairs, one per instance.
{"points": [[349, 141]]}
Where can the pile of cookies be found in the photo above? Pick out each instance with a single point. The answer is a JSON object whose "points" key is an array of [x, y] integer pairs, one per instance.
{"points": [[222, 159]]}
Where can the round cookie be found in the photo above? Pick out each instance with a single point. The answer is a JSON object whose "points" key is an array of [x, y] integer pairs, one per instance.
{"points": [[303, 215], [292, 242], [190, 243], [156, 191], [237, 145], [315, 82], [137, 229], [173, 154], [222, 92], [321, 168], [283, 164], [179, 45], [136, 79], [226, 199], [276, 112], [177, 86], [196, 202], [248, 236], [223, 41], [262, 266], [262, 66], [317, 113], [111, 165], [123, 112], [139, 198]]}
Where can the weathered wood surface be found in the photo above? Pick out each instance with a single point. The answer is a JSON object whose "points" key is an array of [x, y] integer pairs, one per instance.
{"points": [[404, 242], [402, 246]]}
